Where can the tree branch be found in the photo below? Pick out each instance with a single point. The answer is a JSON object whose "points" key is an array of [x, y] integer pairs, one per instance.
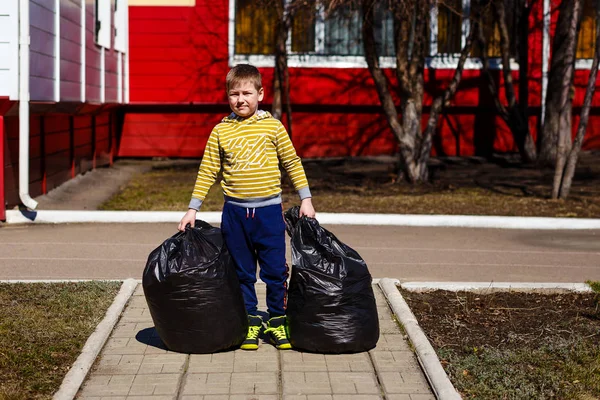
{"points": [[378, 76], [509, 87], [517, 116], [442, 101]]}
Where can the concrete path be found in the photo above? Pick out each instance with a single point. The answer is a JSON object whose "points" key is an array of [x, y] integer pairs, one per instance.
{"points": [[88, 191], [119, 251], [135, 365]]}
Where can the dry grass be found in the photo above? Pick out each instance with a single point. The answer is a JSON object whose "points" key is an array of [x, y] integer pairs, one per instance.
{"points": [[43, 328], [467, 186]]}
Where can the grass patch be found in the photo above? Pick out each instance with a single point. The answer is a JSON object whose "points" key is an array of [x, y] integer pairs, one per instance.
{"points": [[514, 345], [43, 327], [458, 187], [563, 369], [595, 285]]}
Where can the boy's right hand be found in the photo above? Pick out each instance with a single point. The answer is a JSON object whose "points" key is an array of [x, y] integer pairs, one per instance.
{"points": [[188, 218]]}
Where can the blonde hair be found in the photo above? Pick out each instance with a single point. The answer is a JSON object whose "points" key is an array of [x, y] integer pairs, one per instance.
{"points": [[243, 72]]}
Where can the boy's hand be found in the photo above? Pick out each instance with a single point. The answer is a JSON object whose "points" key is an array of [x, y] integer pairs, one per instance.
{"points": [[306, 208], [188, 218]]}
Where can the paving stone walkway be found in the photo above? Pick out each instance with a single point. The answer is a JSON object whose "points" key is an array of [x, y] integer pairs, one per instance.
{"points": [[134, 364]]}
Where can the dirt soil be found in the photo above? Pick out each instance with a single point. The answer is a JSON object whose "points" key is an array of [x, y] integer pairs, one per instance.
{"points": [[514, 345], [503, 319]]}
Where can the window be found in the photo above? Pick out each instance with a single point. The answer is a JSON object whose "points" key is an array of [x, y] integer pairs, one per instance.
{"points": [[102, 19], [449, 27], [304, 29], [254, 27], [335, 40], [491, 33], [338, 34], [451, 21], [343, 32], [586, 40], [384, 32]]}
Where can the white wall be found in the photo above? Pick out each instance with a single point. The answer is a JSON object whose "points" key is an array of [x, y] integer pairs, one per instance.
{"points": [[70, 50], [92, 58], [111, 67], [9, 49], [42, 57], [66, 63]]}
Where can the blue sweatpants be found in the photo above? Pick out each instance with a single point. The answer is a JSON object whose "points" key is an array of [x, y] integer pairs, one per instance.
{"points": [[258, 234]]}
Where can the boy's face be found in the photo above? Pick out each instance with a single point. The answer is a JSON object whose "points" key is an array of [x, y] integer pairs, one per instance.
{"points": [[244, 98]]}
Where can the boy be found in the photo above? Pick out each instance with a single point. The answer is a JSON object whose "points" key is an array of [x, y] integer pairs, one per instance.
{"points": [[248, 146]]}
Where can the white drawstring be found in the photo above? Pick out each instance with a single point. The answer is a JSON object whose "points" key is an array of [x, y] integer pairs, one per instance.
{"points": [[248, 212]]}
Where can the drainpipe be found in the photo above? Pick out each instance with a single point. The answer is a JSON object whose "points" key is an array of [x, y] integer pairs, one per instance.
{"points": [[545, 57], [24, 105]]}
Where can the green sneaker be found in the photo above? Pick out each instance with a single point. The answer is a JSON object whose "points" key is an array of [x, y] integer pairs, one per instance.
{"points": [[276, 328], [255, 324]]}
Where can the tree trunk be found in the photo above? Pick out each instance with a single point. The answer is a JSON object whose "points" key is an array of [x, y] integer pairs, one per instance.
{"points": [[560, 81], [411, 124], [571, 162], [411, 27], [406, 142]]}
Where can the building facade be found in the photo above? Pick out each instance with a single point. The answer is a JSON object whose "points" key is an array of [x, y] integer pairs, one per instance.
{"points": [[181, 51], [63, 75]]}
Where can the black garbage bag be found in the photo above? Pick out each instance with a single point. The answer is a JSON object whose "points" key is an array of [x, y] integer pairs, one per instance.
{"points": [[193, 292], [331, 306]]}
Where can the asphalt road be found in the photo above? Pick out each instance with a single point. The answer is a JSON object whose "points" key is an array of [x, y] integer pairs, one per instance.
{"points": [[118, 251]]}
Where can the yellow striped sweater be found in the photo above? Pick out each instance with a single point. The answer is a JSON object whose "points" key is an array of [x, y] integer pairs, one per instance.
{"points": [[248, 153]]}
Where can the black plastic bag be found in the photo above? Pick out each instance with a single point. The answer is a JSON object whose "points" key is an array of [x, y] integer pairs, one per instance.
{"points": [[331, 306], [193, 292]]}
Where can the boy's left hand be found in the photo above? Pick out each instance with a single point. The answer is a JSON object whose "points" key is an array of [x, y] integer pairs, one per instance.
{"points": [[306, 208]]}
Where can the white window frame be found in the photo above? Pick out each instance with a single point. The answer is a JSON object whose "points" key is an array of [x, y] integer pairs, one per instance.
{"points": [[102, 18], [435, 61], [584, 63]]}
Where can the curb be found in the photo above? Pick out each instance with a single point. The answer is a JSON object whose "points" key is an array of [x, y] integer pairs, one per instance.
{"points": [[497, 287], [460, 221], [78, 372], [57, 280], [430, 363]]}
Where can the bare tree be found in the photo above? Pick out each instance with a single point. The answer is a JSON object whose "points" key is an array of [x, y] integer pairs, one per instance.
{"points": [[555, 134], [411, 27], [514, 113], [567, 158]]}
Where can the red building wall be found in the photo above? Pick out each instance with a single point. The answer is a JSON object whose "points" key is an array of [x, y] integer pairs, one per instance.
{"points": [[61, 146], [178, 63]]}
